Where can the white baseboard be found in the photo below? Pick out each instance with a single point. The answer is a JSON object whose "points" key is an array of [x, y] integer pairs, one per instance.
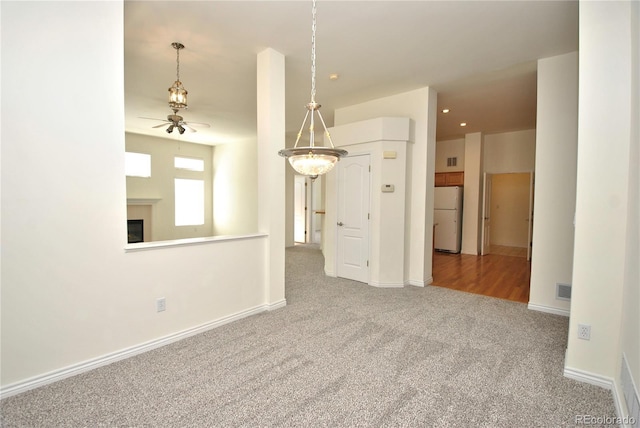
{"points": [[587, 377], [386, 284], [417, 283], [85, 366], [277, 305], [548, 309]]}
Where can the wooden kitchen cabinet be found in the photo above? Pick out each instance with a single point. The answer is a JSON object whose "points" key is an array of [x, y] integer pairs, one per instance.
{"points": [[449, 179]]}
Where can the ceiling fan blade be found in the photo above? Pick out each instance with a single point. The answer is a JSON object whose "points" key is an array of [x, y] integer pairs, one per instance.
{"points": [[162, 124], [188, 128], [203, 125], [152, 118]]}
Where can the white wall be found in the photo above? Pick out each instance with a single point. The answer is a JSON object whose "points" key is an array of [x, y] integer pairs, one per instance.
{"points": [[71, 295], [420, 106], [502, 152], [607, 192], [630, 334], [235, 188], [555, 187], [510, 151], [449, 149]]}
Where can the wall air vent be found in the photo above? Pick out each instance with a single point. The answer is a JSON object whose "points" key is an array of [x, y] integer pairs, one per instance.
{"points": [[630, 392], [452, 161], [563, 291]]}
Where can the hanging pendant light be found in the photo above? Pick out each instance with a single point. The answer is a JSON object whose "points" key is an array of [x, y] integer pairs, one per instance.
{"points": [[313, 160], [177, 92]]}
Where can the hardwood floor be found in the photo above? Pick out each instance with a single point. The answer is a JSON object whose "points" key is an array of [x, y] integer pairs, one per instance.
{"points": [[505, 277], [508, 251]]}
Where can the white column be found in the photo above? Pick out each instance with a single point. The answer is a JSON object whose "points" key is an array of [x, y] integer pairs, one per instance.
{"points": [[471, 213], [271, 170], [421, 182], [602, 191], [555, 185]]}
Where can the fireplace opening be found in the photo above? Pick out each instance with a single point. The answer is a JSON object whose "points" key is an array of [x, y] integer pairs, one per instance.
{"points": [[135, 231]]}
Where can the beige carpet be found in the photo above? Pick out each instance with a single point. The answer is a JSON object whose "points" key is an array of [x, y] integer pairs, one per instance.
{"points": [[341, 354]]}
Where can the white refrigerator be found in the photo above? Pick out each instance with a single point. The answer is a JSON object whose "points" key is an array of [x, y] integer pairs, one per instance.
{"points": [[447, 219]]}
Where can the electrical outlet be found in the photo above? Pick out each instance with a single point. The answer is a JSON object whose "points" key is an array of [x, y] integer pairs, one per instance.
{"points": [[161, 304], [584, 331]]}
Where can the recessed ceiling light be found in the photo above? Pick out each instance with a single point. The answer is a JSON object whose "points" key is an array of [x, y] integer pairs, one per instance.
{"points": [[334, 76], [463, 124], [445, 110]]}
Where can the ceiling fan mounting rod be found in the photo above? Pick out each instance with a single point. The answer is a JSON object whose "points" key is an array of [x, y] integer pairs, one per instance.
{"points": [[177, 46]]}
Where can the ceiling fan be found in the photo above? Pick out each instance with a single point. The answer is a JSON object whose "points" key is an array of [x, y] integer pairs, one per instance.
{"points": [[175, 121], [177, 101]]}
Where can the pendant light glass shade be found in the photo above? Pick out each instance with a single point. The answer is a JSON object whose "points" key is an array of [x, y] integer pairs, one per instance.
{"points": [[312, 160], [177, 92], [177, 96]]}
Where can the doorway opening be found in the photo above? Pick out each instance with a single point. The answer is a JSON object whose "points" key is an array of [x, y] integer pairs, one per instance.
{"points": [[503, 269], [507, 222], [308, 210]]}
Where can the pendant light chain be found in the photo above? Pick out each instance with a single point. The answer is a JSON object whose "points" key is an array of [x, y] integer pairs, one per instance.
{"points": [[178, 64], [313, 161], [313, 52]]}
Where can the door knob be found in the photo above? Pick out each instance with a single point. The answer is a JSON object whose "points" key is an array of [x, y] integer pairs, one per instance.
{"points": [[340, 223]]}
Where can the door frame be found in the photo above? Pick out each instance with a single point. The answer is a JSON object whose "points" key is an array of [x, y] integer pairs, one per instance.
{"points": [[532, 185], [485, 241]]}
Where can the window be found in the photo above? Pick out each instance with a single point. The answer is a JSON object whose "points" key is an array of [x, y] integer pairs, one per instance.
{"points": [[189, 202], [190, 164], [137, 164]]}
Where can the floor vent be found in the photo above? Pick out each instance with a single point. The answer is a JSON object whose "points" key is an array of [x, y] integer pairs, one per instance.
{"points": [[630, 393], [563, 291]]}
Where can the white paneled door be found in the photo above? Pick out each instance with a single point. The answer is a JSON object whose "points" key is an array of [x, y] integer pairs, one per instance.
{"points": [[353, 218]]}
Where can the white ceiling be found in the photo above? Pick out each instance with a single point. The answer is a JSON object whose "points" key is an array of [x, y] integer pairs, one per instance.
{"points": [[480, 56]]}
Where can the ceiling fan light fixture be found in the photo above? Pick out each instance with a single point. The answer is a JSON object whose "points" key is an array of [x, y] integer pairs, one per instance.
{"points": [[177, 92], [311, 160], [170, 128]]}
